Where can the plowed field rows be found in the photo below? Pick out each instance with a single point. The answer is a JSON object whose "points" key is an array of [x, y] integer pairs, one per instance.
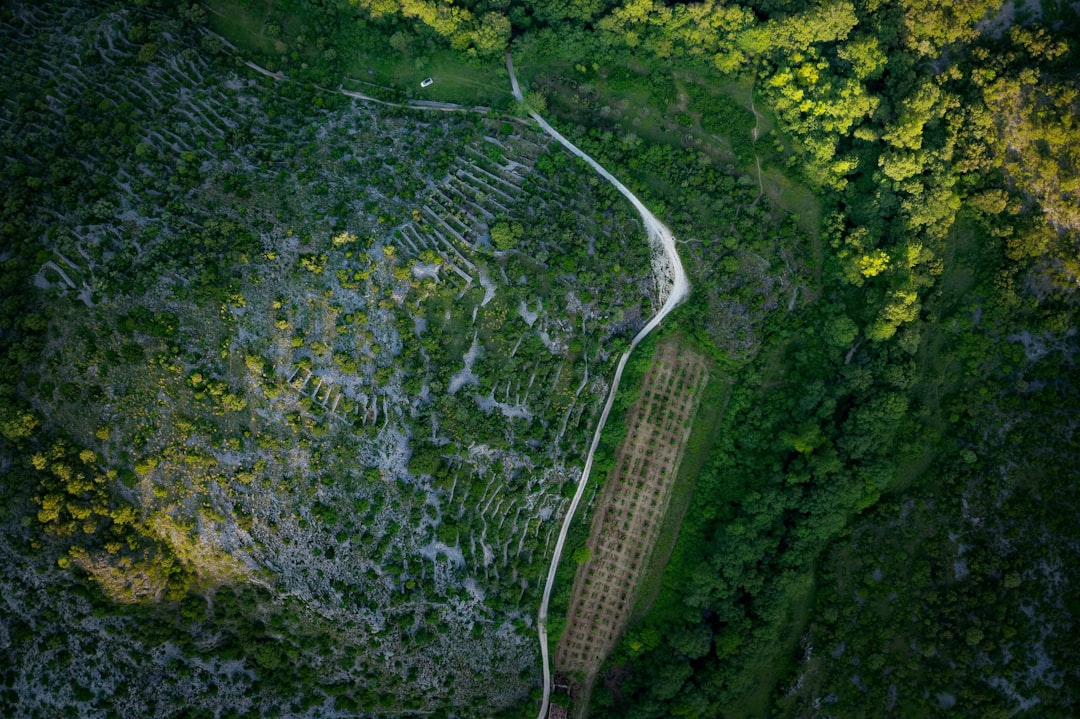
{"points": [[630, 509]]}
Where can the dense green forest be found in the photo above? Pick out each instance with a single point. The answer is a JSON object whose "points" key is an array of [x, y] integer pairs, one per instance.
{"points": [[879, 205]]}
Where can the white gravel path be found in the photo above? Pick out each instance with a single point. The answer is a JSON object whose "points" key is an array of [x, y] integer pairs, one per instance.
{"points": [[673, 287]]}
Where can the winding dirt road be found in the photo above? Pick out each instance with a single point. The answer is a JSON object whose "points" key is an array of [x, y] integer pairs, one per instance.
{"points": [[669, 271]]}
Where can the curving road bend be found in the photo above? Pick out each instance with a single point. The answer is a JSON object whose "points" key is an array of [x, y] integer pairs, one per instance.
{"points": [[674, 288]]}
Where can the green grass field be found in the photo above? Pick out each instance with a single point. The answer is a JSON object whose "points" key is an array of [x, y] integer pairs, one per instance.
{"points": [[483, 83], [241, 24], [458, 79], [794, 197], [651, 105]]}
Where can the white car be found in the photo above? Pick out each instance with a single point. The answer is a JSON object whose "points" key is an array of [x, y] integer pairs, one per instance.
{"points": [[426, 82]]}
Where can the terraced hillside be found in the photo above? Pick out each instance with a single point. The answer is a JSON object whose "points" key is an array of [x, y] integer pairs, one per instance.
{"points": [[306, 381]]}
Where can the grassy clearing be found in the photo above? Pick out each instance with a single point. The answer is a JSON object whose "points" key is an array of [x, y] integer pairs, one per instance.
{"points": [[795, 198], [706, 425], [639, 101], [456, 80], [241, 23], [741, 91], [654, 106], [785, 191]]}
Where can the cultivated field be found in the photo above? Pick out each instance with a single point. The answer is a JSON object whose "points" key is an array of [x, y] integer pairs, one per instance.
{"points": [[630, 509]]}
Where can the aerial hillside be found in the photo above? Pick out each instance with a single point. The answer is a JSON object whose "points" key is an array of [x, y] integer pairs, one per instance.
{"points": [[315, 373], [307, 328]]}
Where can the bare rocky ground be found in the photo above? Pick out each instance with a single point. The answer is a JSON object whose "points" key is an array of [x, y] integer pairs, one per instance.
{"points": [[288, 333]]}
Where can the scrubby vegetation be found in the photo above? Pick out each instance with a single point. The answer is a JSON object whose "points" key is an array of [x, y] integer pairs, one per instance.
{"points": [[272, 361]]}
